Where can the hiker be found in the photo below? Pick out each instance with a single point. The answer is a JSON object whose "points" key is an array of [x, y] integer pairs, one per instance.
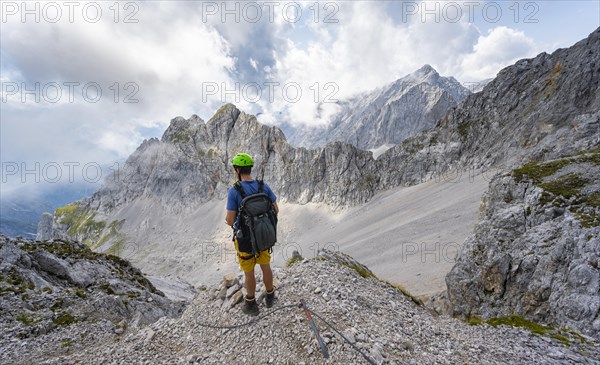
{"points": [[246, 186]]}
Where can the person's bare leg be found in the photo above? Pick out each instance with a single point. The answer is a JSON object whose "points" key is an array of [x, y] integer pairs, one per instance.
{"points": [[250, 283], [267, 276]]}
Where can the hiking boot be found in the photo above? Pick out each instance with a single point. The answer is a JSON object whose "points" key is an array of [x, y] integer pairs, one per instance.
{"points": [[250, 307], [270, 298]]}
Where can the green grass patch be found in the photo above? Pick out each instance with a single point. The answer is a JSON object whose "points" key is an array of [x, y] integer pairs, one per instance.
{"points": [[80, 221], [181, 137], [117, 247], [565, 191], [68, 214], [26, 320], [362, 272], [588, 220], [537, 172], [64, 319], [516, 321], [406, 293], [6, 289], [367, 180], [463, 129], [592, 150], [564, 335], [57, 305], [475, 321], [593, 200], [107, 288], [110, 233], [221, 110], [15, 283], [291, 261], [433, 140], [566, 186], [66, 343], [80, 293], [63, 250]]}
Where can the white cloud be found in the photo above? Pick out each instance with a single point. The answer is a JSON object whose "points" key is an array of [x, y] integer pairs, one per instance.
{"points": [[501, 47], [167, 61], [253, 63]]}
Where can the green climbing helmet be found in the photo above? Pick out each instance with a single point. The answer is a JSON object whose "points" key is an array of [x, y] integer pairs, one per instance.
{"points": [[242, 160]]}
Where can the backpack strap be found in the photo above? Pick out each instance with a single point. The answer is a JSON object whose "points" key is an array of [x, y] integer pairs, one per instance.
{"points": [[261, 185], [239, 189]]}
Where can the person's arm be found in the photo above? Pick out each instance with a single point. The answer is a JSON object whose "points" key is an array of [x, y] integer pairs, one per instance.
{"points": [[230, 217], [231, 207], [276, 207]]}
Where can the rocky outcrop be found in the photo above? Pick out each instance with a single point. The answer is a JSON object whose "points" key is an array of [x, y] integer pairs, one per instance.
{"points": [[56, 296], [44, 228], [535, 251], [375, 317], [387, 115]]}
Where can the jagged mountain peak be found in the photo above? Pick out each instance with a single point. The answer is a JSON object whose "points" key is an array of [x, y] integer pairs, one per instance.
{"points": [[425, 74], [226, 110], [181, 125], [389, 114], [427, 68]]}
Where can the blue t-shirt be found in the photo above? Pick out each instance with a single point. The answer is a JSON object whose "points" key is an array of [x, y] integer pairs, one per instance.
{"points": [[234, 199]]}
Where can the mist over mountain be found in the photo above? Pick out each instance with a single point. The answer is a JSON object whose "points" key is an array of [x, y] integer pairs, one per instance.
{"points": [[476, 87], [387, 115]]}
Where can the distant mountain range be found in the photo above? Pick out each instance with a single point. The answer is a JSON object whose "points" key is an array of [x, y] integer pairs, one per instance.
{"points": [[387, 115], [20, 212]]}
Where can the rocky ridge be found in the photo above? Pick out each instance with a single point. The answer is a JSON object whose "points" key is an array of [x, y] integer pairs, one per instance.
{"points": [[386, 325], [58, 296]]}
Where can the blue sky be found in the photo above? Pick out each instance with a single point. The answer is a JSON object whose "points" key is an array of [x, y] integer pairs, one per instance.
{"points": [[160, 59]]}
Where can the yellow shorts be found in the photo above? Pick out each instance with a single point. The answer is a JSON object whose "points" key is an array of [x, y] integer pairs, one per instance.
{"points": [[247, 261]]}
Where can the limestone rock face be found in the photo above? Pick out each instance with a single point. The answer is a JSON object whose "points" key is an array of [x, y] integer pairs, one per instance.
{"points": [[44, 230], [535, 251]]}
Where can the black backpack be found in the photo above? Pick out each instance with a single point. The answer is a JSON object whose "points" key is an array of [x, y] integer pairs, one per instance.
{"points": [[257, 229]]}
